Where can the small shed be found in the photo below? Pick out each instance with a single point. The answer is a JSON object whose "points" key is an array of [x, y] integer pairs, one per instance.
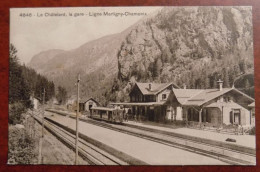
{"points": [[35, 102], [87, 104]]}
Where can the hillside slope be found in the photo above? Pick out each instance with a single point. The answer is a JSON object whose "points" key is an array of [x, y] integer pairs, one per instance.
{"points": [[96, 62]]}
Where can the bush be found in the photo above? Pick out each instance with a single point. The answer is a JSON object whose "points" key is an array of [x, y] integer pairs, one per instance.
{"points": [[252, 131], [15, 113], [21, 147]]}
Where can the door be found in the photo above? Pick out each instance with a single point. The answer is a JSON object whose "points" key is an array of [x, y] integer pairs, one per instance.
{"points": [[237, 116], [151, 114], [89, 107]]}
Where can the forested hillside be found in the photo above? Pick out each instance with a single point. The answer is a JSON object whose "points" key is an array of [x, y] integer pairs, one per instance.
{"points": [[23, 83]]}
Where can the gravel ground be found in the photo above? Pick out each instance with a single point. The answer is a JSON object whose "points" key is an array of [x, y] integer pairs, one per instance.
{"points": [[55, 152]]}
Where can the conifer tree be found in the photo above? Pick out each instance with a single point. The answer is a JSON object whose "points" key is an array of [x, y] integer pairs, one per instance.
{"points": [[157, 68], [18, 89], [226, 78]]}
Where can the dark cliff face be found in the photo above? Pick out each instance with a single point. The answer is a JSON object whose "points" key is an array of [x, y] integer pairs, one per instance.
{"points": [[182, 44]]}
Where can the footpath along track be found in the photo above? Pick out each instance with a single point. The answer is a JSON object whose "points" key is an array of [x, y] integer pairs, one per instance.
{"points": [[92, 154], [232, 154]]}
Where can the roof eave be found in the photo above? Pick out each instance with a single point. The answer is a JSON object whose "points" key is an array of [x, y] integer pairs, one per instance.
{"points": [[252, 99], [166, 87]]}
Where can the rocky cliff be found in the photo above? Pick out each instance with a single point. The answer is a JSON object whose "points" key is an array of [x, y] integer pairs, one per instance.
{"points": [[184, 44]]}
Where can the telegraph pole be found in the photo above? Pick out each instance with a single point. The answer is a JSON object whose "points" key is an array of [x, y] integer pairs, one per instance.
{"points": [[77, 122], [41, 138]]}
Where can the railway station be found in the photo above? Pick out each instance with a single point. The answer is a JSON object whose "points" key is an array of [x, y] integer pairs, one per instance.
{"points": [[161, 125]]}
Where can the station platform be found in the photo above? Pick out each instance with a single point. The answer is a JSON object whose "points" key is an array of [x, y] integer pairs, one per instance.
{"points": [[241, 140], [150, 152]]}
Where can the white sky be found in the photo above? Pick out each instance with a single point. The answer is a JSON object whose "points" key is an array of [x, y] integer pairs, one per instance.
{"points": [[31, 35]]}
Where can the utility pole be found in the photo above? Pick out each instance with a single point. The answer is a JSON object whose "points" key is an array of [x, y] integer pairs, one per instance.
{"points": [[77, 122], [41, 138]]}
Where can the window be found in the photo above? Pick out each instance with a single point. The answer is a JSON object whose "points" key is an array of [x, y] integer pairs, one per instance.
{"points": [[163, 96]]}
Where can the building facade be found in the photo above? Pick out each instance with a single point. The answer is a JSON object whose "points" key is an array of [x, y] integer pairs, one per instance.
{"points": [[86, 105], [215, 107], [167, 102], [148, 101]]}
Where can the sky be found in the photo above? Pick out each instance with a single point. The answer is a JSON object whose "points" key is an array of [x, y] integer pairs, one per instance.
{"points": [[33, 30]]}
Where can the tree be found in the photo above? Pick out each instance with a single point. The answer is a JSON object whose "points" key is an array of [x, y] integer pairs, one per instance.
{"points": [[247, 84], [207, 82], [157, 67], [226, 78], [18, 89], [242, 66], [61, 95]]}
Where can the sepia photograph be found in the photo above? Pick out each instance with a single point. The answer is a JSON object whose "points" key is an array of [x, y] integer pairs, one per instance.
{"points": [[159, 85]]}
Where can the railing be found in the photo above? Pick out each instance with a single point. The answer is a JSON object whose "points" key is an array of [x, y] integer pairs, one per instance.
{"points": [[132, 117], [231, 129]]}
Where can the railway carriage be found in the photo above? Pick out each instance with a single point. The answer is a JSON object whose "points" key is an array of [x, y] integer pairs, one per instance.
{"points": [[107, 114]]}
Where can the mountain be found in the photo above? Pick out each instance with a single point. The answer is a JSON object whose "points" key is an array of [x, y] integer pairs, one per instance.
{"points": [[42, 58], [95, 61], [195, 46]]}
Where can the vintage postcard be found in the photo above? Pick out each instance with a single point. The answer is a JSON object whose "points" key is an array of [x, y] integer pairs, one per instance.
{"points": [[132, 86]]}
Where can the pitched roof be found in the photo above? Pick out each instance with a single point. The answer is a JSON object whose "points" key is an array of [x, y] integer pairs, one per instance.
{"points": [[84, 100], [156, 87], [224, 104], [183, 95], [206, 95], [252, 104], [198, 97]]}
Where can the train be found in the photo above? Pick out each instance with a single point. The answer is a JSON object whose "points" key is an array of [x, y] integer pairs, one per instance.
{"points": [[107, 114]]}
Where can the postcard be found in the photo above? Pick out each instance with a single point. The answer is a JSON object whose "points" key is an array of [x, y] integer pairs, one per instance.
{"points": [[132, 86]]}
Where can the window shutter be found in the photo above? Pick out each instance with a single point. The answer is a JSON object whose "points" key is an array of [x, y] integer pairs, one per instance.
{"points": [[231, 117], [243, 117]]}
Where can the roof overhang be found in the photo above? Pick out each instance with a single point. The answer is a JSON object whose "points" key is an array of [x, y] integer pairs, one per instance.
{"points": [[154, 92], [192, 102], [139, 103], [103, 108], [252, 105]]}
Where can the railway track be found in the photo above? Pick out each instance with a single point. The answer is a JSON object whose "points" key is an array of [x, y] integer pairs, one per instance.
{"points": [[90, 153], [229, 155]]}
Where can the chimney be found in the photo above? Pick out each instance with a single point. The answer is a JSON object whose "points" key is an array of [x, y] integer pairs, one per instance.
{"points": [[184, 86], [220, 84], [150, 86]]}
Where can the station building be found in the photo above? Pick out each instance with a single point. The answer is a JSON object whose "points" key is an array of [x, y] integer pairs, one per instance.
{"points": [[148, 100], [167, 102]]}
